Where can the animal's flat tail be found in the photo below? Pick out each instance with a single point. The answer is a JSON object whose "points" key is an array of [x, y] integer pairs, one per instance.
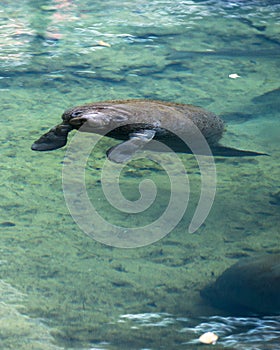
{"points": [[233, 152]]}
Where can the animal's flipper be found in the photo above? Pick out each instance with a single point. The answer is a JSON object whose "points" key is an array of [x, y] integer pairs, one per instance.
{"points": [[126, 150], [233, 152], [53, 139]]}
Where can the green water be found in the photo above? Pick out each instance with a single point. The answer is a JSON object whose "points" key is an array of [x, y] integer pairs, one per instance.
{"points": [[70, 288]]}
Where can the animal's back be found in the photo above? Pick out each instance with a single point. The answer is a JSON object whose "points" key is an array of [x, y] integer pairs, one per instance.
{"points": [[171, 116]]}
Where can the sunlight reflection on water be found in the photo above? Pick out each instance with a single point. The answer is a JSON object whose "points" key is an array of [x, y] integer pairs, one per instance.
{"points": [[70, 27], [246, 333]]}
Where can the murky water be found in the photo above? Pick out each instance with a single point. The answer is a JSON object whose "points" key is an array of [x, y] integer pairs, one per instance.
{"points": [[57, 282]]}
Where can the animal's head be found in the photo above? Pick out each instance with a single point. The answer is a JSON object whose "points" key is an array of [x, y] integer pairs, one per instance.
{"points": [[93, 118]]}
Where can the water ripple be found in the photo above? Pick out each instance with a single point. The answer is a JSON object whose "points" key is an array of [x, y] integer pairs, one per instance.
{"points": [[243, 333], [246, 333]]}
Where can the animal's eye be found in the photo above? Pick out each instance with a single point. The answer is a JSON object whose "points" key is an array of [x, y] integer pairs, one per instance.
{"points": [[76, 113]]}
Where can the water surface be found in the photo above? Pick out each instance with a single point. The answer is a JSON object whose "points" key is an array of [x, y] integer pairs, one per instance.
{"points": [[73, 290]]}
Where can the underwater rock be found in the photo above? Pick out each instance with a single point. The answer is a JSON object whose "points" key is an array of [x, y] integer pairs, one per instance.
{"points": [[208, 338], [251, 286]]}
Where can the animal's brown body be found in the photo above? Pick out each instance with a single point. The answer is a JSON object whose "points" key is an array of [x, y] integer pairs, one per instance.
{"points": [[138, 122]]}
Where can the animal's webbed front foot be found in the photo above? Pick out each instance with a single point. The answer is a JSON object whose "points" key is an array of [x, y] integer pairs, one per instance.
{"points": [[126, 150]]}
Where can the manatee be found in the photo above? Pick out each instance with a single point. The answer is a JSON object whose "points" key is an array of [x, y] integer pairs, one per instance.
{"points": [[250, 286], [136, 123]]}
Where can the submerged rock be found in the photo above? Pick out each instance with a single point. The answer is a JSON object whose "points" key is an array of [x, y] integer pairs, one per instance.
{"points": [[251, 286]]}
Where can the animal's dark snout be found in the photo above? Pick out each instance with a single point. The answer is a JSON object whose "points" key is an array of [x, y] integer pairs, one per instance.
{"points": [[78, 121]]}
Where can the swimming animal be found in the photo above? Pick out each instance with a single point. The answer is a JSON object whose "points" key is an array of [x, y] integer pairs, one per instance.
{"points": [[136, 123]]}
